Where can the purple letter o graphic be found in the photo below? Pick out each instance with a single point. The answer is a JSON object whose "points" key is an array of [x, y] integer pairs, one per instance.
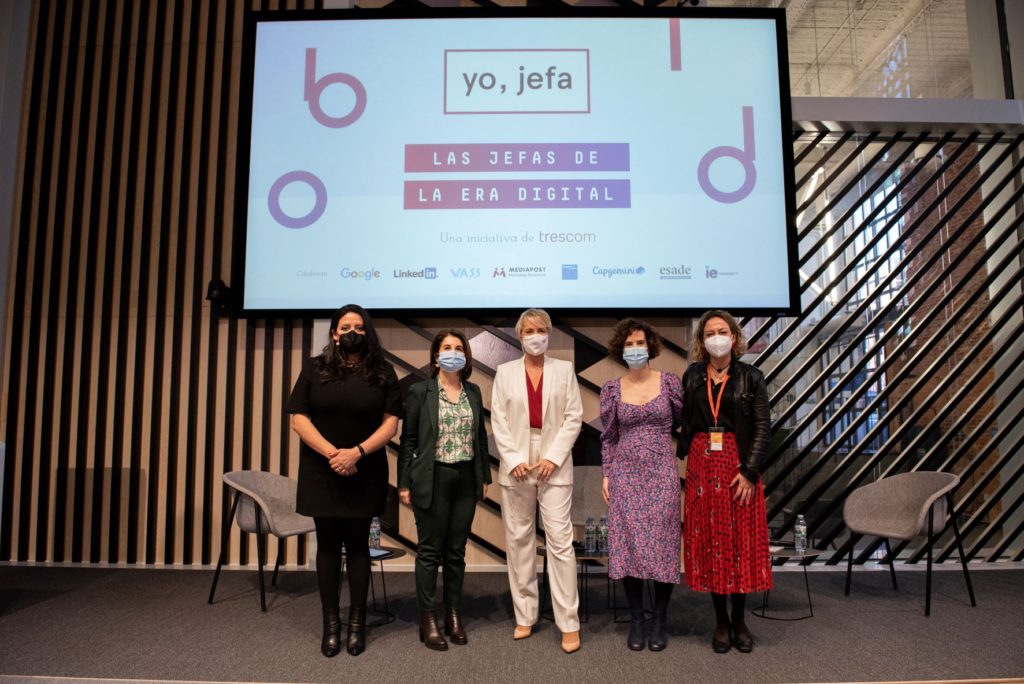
{"points": [[274, 199]]}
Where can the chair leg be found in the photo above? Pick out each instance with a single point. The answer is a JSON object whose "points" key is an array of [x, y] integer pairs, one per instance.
{"points": [[960, 547], [892, 568], [849, 565], [223, 546], [928, 574], [261, 554], [277, 565]]}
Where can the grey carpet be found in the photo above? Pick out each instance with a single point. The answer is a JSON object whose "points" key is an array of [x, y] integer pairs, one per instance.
{"points": [[156, 624]]}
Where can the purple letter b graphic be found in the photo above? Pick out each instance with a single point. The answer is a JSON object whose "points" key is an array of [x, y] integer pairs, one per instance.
{"points": [[314, 88], [744, 157]]}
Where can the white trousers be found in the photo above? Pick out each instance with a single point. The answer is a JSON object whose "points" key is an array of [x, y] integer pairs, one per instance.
{"points": [[518, 511]]}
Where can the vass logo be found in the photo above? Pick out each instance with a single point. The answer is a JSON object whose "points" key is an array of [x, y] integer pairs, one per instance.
{"points": [[465, 272]]}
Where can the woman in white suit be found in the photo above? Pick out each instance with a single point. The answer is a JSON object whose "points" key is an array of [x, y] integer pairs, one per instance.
{"points": [[536, 415]]}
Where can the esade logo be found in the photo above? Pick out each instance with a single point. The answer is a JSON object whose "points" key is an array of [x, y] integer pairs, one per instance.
{"points": [[360, 273], [465, 272], [676, 272], [427, 273]]}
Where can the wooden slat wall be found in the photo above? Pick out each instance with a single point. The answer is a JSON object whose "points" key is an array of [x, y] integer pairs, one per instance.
{"points": [[127, 399]]}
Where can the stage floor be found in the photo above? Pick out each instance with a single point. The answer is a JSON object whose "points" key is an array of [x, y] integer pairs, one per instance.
{"points": [[148, 624]]}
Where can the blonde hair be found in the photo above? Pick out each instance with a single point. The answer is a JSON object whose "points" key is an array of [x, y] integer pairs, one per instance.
{"points": [[540, 314], [697, 351]]}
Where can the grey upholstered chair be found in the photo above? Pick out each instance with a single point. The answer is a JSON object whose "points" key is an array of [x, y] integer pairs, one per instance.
{"points": [[902, 507], [273, 497]]}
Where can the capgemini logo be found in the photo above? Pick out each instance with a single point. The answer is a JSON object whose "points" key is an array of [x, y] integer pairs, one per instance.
{"points": [[744, 156]]}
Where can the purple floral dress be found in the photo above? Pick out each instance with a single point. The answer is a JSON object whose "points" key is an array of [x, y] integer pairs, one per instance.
{"points": [[643, 481]]}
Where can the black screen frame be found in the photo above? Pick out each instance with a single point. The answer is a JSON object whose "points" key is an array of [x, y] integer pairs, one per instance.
{"points": [[244, 139]]}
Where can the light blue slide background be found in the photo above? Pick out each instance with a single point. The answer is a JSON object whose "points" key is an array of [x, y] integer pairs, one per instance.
{"points": [[670, 119]]}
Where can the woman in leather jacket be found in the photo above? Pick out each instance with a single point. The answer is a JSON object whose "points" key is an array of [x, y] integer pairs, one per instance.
{"points": [[726, 428]]}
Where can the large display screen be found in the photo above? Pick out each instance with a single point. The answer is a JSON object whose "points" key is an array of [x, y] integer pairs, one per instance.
{"points": [[581, 163]]}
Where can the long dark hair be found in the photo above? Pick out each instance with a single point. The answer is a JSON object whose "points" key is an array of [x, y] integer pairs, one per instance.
{"points": [[330, 364]]}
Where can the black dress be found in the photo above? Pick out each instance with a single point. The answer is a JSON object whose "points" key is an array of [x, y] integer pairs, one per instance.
{"points": [[345, 412]]}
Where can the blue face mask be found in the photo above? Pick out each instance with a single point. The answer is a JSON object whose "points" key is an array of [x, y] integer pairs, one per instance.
{"points": [[635, 357], [451, 361]]}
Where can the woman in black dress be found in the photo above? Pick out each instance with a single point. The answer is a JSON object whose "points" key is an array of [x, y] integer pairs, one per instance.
{"points": [[345, 408]]}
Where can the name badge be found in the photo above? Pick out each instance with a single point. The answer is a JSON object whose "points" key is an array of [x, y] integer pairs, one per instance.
{"points": [[716, 438]]}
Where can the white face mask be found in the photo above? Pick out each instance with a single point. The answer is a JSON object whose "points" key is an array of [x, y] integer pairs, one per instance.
{"points": [[535, 345], [718, 345]]}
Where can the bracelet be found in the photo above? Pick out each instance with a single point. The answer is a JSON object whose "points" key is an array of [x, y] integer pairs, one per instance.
{"points": [[362, 451]]}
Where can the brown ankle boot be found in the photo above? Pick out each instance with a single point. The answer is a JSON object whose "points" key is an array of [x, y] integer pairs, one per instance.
{"points": [[453, 627], [430, 635]]}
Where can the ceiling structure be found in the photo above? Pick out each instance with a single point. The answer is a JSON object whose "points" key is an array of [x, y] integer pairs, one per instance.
{"points": [[837, 48], [875, 48]]}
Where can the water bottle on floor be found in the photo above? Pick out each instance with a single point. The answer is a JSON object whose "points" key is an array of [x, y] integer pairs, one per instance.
{"points": [[602, 535], [375, 533], [590, 536], [800, 534]]}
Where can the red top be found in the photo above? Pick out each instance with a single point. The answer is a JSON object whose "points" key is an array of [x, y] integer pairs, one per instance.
{"points": [[534, 398]]}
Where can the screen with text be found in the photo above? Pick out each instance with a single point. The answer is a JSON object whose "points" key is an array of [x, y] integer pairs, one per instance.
{"points": [[595, 163]]}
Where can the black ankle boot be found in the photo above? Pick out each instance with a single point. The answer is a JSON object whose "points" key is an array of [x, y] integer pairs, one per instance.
{"points": [[453, 627], [720, 641], [742, 639], [430, 635], [330, 644], [658, 639], [635, 640], [356, 642]]}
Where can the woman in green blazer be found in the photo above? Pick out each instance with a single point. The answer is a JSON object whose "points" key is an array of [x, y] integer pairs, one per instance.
{"points": [[443, 469]]}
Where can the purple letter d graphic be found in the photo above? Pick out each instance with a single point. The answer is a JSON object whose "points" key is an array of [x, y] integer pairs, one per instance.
{"points": [[745, 157], [314, 88]]}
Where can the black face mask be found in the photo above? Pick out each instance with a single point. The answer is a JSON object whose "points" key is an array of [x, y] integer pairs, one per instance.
{"points": [[352, 341]]}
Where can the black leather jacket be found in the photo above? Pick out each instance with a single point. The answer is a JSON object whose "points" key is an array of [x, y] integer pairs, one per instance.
{"points": [[753, 429]]}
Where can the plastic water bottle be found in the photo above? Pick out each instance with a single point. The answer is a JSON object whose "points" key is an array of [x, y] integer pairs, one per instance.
{"points": [[375, 533], [602, 535], [800, 534], [590, 536]]}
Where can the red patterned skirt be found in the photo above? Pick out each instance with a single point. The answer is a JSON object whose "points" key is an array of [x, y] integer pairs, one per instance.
{"points": [[725, 543]]}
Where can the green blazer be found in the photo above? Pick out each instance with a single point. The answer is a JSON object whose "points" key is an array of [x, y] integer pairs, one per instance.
{"points": [[419, 441]]}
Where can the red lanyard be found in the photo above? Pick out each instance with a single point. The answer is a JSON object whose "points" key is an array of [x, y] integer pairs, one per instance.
{"points": [[716, 405]]}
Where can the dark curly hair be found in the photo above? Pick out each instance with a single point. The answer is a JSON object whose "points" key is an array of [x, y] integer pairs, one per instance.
{"points": [[330, 364], [435, 347], [625, 328]]}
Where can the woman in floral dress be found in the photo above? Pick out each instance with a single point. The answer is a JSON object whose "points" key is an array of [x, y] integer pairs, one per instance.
{"points": [[641, 478]]}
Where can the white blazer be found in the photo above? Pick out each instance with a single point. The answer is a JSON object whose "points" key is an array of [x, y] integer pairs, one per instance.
{"points": [[562, 413]]}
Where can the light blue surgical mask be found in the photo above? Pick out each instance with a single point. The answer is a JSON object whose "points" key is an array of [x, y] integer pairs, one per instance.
{"points": [[635, 357], [451, 361]]}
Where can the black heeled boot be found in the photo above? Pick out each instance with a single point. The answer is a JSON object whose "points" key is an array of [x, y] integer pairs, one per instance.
{"points": [[430, 635], [330, 644], [742, 639], [635, 640], [453, 627], [356, 642], [658, 639], [721, 641]]}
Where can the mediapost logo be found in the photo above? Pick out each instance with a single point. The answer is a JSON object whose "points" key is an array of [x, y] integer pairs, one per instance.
{"points": [[570, 272], [676, 272], [366, 274], [618, 271], [426, 273], [520, 272]]}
